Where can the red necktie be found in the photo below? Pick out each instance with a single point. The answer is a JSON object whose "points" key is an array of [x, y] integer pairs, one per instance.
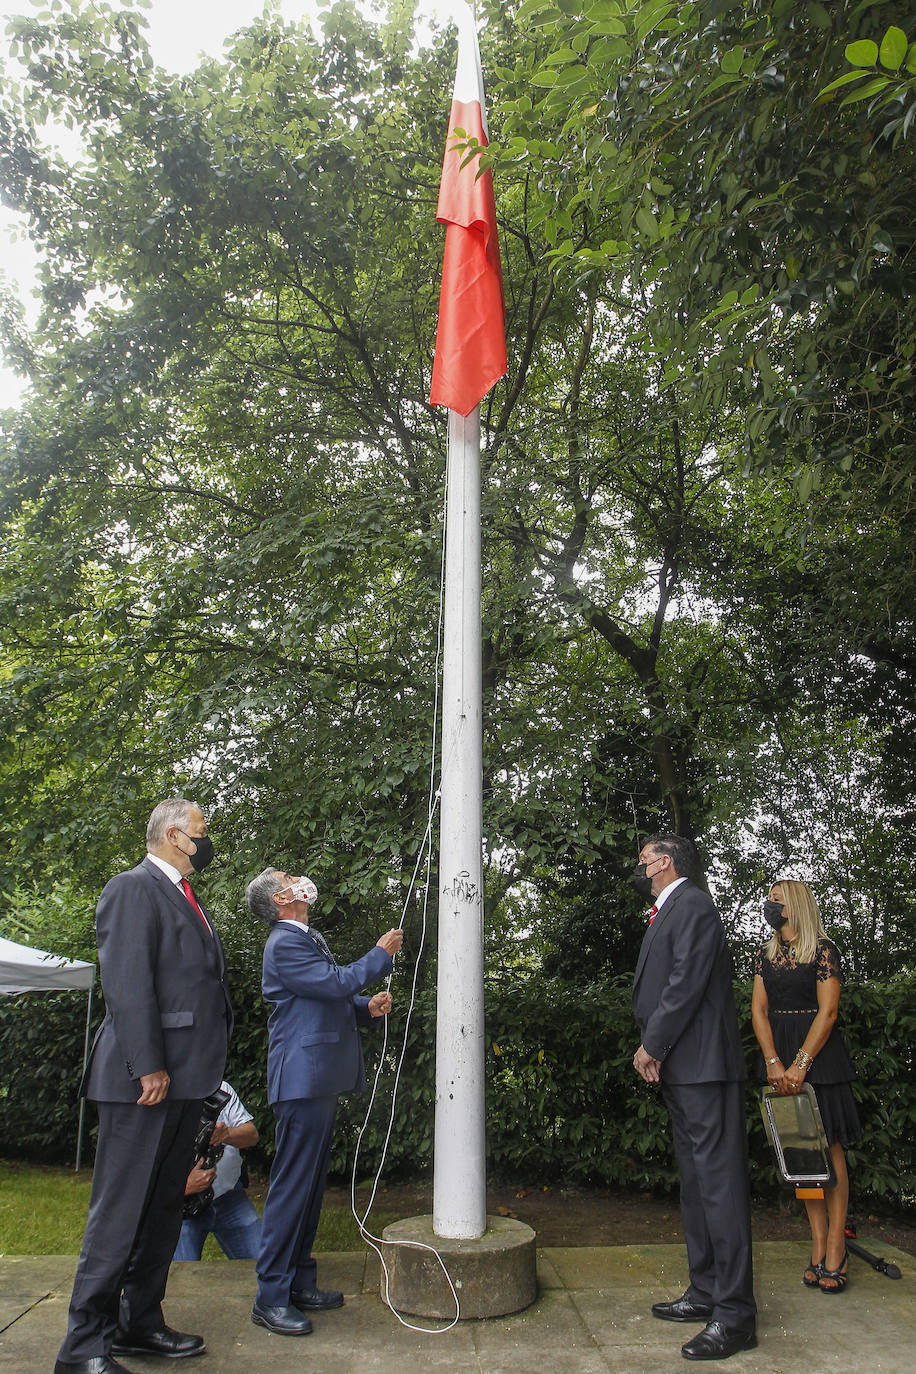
{"points": [[188, 891], [653, 912]]}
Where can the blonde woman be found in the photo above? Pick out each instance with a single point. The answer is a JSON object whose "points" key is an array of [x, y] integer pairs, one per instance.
{"points": [[796, 997]]}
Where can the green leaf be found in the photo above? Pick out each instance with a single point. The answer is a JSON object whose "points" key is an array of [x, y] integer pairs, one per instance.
{"points": [[731, 61], [574, 72], [863, 53], [652, 15], [843, 80], [546, 16], [723, 79], [819, 16], [893, 49], [647, 223], [539, 12], [873, 87], [608, 26], [607, 50]]}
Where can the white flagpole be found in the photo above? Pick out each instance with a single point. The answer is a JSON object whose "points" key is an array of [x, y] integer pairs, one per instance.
{"points": [[459, 1178]]}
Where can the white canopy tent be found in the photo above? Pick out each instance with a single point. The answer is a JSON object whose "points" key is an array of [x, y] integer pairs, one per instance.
{"points": [[24, 969]]}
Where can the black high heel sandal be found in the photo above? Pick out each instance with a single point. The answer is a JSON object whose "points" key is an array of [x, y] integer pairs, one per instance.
{"points": [[838, 1276], [817, 1271]]}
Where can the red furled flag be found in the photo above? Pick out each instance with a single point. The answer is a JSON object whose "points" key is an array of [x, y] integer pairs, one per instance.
{"points": [[471, 338]]}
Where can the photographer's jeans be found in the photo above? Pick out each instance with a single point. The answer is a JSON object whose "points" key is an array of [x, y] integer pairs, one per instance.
{"points": [[234, 1221]]}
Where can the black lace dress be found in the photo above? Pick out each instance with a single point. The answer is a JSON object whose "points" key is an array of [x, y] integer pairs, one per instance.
{"points": [[791, 990]]}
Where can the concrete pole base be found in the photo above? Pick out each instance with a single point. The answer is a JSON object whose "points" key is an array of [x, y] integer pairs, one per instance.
{"points": [[493, 1275]]}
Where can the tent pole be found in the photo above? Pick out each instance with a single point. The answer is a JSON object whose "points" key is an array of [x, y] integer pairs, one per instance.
{"points": [[79, 1132]]}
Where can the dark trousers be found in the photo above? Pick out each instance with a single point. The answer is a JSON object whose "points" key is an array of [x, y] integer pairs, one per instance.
{"points": [[142, 1163], [710, 1139], [305, 1127]]}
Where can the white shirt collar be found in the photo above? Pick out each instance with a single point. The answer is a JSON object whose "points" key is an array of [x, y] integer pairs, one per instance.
{"points": [[289, 921], [170, 871], [666, 893]]}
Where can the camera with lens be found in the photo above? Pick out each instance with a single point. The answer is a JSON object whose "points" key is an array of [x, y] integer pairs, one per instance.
{"points": [[207, 1156]]}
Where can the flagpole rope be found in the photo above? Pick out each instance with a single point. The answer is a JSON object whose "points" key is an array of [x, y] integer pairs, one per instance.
{"points": [[426, 849]]}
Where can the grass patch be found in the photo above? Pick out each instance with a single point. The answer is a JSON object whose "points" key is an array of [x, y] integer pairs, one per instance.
{"points": [[43, 1212], [338, 1231]]}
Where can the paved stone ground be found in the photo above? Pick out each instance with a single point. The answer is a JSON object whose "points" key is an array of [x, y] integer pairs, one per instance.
{"points": [[592, 1316]]}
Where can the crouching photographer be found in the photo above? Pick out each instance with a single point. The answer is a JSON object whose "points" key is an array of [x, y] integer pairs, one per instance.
{"points": [[215, 1198]]}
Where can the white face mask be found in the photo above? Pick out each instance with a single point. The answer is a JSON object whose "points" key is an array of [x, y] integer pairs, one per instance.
{"points": [[304, 890]]}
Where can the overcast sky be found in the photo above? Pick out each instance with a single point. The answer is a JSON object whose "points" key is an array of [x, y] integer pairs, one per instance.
{"points": [[179, 31]]}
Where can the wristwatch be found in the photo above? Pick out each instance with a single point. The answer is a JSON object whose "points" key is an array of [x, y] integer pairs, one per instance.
{"points": [[774, 1060]]}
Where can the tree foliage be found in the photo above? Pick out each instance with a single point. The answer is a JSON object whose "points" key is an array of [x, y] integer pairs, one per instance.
{"points": [[773, 230], [222, 506]]}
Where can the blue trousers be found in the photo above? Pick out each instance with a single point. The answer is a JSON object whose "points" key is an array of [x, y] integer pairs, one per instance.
{"points": [[305, 1127], [232, 1218]]}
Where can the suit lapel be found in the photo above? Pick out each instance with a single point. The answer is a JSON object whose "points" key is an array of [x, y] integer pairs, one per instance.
{"points": [[215, 941], [664, 914], [644, 953], [316, 940], [179, 901]]}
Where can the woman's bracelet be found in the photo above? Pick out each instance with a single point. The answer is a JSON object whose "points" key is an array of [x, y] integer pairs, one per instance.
{"points": [[803, 1060], [774, 1060]]}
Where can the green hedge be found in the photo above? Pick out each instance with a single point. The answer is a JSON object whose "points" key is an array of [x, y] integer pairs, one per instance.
{"points": [[563, 1103]]}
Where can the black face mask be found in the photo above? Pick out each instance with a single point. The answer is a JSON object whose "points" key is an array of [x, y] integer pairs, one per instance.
{"points": [[774, 913], [641, 882], [203, 854]]}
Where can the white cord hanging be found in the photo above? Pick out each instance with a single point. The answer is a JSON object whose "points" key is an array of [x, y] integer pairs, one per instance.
{"points": [[376, 1242]]}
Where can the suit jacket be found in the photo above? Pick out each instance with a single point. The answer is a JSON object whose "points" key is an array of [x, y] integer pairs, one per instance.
{"points": [[683, 998], [313, 1041], [166, 997]]}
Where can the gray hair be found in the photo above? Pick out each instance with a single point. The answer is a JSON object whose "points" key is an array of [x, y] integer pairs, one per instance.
{"points": [[259, 892], [172, 811]]}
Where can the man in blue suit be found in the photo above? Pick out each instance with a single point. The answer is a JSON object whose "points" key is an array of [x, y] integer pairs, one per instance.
{"points": [[314, 1055]]}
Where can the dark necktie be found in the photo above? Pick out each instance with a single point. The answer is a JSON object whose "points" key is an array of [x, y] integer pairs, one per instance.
{"points": [[322, 943], [188, 891]]}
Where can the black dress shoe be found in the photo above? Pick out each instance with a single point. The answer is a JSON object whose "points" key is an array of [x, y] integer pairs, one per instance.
{"points": [[718, 1342], [173, 1345], [98, 1364], [682, 1310], [316, 1299], [283, 1321]]}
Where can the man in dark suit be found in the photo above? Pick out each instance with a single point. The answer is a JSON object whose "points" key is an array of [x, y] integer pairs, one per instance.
{"points": [[684, 1003], [159, 1052], [314, 1055]]}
